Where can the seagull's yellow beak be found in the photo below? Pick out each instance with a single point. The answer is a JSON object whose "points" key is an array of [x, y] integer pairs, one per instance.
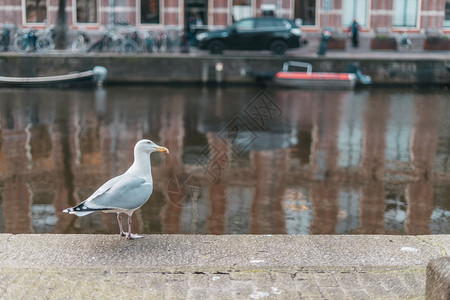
{"points": [[162, 149]]}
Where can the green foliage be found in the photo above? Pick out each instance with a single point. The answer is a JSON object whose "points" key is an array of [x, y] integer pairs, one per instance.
{"points": [[382, 37]]}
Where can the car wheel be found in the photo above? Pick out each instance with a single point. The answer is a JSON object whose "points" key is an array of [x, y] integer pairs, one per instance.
{"points": [[278, 47], [216, 47]]}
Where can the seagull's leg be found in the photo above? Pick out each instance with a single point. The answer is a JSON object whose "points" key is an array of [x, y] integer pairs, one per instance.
{"points": [[119, 220], [131, 236]]}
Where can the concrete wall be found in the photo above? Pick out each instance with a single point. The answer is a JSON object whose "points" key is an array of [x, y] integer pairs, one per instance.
{"points": [[197, 69]]}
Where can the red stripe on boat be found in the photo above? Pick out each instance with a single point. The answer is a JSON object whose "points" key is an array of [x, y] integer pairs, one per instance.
{"points": [[316, 75]]}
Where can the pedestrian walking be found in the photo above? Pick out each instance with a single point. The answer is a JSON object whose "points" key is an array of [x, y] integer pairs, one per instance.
{"points": [[354, 31]]}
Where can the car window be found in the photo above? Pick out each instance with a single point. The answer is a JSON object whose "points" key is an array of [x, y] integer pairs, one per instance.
{"points": [[270, 24], [289, 23], [245, 25]]}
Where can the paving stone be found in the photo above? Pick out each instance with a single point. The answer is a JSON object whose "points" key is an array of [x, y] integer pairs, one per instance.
{"points": [[308, 287], [244, 290], [307, 283], [286, 295], [393, 284], [153, 293], [414, 281], [326, 280], [176, 286], [283, 281], [263, 279], [197, 293], [332, 293], [219, 286], [371, 282], [242, 275], [348, 281], [357, 294], [198, 281], [154, 283]]}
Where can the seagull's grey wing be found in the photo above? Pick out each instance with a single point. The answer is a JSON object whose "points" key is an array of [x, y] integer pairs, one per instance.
{"points": [[129, 192], [105, 187]]}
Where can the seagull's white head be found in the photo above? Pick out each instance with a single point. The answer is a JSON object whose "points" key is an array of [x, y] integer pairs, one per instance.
{"points": [[148, 146]]}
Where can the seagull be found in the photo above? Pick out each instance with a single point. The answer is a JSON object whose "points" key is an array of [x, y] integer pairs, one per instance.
{"points": [[124, 193]]}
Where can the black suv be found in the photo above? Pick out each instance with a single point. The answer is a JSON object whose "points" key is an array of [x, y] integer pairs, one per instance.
{"points": [[274, 34]]}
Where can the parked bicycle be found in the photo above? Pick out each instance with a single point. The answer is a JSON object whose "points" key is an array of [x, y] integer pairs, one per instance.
{"points": [[30, 40], [404, 42], [46, 38], [146, 42], [81, 41], [5, 37], [167, 41], [115, 41], [143, 40]]}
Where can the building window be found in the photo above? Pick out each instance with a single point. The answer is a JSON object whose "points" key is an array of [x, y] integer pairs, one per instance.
{"points": [[354, 9], [447, 14], [86, 11], [36, 11], [150, 12], [241, 9], [306, 11], [196, 13], [405, 13]]}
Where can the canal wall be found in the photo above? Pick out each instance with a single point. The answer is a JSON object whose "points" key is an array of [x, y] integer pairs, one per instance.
{"points": [[237, 69]]}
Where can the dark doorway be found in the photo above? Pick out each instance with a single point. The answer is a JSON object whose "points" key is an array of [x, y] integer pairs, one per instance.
{"points": [[305, 10], [196, 12]]}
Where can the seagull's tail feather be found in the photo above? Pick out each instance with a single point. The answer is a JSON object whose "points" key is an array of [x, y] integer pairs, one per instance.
{"points": [[80, 210]]}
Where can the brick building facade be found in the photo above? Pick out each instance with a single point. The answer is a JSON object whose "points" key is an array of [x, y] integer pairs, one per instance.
{"points": [[417, 16]]}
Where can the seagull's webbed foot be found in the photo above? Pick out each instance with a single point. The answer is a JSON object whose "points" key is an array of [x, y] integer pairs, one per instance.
{"points": [[130, 235], [133, 236]]}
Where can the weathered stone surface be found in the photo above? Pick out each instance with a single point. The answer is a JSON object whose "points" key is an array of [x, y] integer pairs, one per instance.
{"points": [[225, 252], [216, 267]]}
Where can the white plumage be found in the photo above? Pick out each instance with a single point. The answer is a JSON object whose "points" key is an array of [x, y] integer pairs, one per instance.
{"points": [[124, 193]]}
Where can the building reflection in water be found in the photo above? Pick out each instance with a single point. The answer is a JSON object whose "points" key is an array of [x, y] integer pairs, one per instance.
{"points": [[372, 203], [241, 160]]}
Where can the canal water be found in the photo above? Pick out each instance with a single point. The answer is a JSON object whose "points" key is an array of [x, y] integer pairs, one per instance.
{"points": [[242, 160]]}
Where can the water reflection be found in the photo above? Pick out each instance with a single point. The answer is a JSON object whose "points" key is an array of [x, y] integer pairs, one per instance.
{"points": [[241, 160]]}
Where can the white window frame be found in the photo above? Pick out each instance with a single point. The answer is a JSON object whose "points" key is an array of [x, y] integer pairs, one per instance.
{"points": [[24, 14], [250, 10], [446, 23], [404, 27], [366, 13], [74, 15], [161, 15], [318, 11]]}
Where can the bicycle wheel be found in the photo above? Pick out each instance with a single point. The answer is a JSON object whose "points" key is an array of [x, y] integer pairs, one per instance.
{"points": [[129, 48], [44, 44], [22, 45], [78, 44]]}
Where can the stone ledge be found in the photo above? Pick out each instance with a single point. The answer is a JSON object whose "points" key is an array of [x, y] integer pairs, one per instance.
{"points": [[55, 266], [239, 251]]}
